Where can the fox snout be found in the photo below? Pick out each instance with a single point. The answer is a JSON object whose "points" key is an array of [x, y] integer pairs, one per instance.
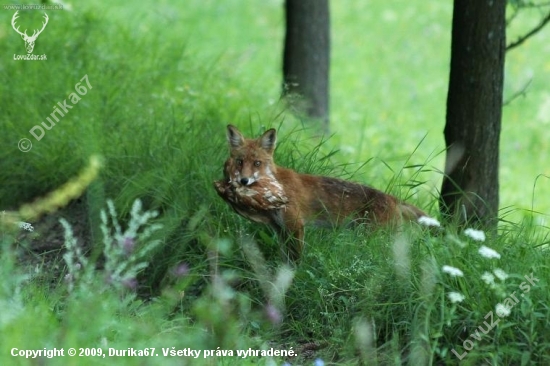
{"points": [[246, 181]]}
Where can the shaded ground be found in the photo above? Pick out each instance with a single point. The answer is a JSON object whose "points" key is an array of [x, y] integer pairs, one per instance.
{"points": [[41, 251]]}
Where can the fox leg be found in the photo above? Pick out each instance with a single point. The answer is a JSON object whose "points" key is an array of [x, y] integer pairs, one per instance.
{"points": [[291, 244], [290, 230], [295, 244]]}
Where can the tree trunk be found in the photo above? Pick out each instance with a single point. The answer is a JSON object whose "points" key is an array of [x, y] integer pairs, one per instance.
{"points": [[470, 189], [306, 58]]}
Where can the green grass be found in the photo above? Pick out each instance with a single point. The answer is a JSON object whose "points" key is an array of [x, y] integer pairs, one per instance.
{"points": [[166, 78]]}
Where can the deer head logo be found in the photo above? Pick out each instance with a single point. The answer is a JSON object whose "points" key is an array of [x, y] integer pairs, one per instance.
{"points": [[29, 40]]}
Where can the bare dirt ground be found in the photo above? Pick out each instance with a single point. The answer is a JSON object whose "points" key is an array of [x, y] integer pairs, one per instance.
{"points": [[41, 251]]}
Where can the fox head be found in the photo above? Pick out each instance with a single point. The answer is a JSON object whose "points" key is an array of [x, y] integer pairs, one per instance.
{"points": [[250, 159]]}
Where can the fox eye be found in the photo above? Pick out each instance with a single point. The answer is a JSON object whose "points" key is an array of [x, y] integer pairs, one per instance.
{"points": [[239, 162], [257, 163]]}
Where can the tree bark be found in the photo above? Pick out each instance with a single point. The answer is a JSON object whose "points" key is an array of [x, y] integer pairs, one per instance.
{"points": [[306, 59], [470, 189]]}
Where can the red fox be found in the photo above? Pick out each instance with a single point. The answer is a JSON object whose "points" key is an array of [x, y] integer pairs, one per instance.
{"points": [[263, 192]]}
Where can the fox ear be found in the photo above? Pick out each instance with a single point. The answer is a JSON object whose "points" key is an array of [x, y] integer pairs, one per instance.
{"points": [[269, 140], [234, 137]]}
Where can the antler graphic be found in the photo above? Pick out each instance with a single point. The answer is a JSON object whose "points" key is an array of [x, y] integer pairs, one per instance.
{"points": [[29, 41], [13, 24]]}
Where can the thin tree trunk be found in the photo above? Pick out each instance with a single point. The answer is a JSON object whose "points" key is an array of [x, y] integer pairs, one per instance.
{"points": [[470, 189], [306, 58]]}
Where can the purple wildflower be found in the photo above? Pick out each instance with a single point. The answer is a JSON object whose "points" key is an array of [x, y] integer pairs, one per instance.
{"points": [[130, 283], [273, 314], [128, 245], [180, 270]]}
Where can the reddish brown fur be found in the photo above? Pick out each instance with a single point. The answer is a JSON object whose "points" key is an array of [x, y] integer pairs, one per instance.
{"points": [[250, 172]]}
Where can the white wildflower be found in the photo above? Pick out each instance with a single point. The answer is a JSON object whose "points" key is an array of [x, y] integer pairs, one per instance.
{"points": [[477, 235], [452, 271], [488, 252], [500, 274], [25, 226], [428, 221], [488, 278], [455, 297], [502, 310], [455, 240]]}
